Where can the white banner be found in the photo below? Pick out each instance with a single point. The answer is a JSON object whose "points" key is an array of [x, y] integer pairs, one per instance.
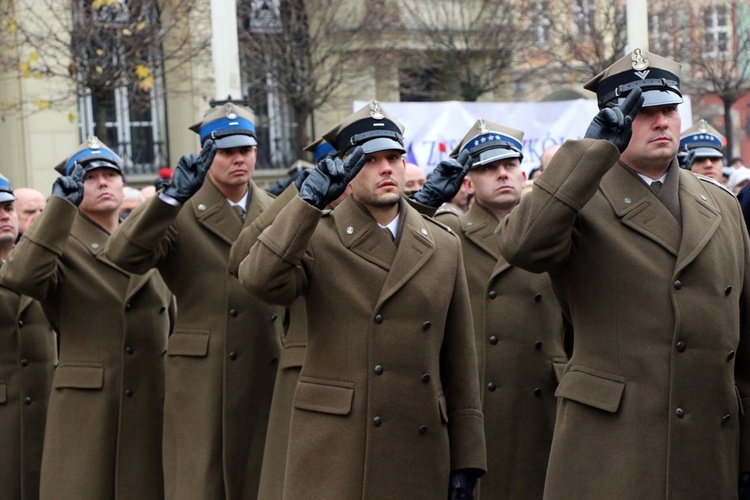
{"points": [[433, 129]]}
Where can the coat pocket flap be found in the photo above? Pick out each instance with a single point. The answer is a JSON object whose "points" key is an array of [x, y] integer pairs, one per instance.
{"points": [[312, 396], [188, 344], [3, 393], [292, 356], [592, 390], [79, 376]]}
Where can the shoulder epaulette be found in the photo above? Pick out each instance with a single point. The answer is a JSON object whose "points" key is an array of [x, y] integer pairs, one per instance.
{"points": [[714, 182], [438, 224]]}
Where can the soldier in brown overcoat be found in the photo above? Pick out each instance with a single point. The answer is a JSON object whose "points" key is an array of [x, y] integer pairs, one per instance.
{"points": [[104, 422], [655, 279], [387, 404], [27, 360], [517, 320], [222, 357]]}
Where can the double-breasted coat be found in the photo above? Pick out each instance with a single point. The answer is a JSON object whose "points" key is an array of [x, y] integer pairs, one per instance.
{"points": [[387, 403], [104, 421], [223, 354], [519, 340], [651, 400], [28, 354]]}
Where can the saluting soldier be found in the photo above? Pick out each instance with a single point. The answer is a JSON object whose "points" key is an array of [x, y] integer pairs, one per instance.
{"points": [[517, 320], [387, 404], [27, 360], [655, 279], [702, 150], [105, 416], [222, 357]]}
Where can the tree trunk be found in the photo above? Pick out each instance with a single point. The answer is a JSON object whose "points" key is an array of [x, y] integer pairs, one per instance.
{"points": [[728, 127], [99, 99]]}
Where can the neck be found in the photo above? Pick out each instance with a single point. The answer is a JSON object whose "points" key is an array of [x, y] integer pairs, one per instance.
{"points": [[107, 220], [232, 193], [498, 212], [653, 172], [383, 215]]}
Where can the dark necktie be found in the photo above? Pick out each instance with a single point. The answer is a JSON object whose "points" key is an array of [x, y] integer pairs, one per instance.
{"points": [[655, 187], [240, 213]]}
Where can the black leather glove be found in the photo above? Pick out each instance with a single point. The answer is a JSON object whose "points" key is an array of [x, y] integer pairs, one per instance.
{"points": [[328, 180], [70, 186], [689, 159], [743, 487], [191, 172], [462, 483], [615, 124], [301, 177], [445, 181]]}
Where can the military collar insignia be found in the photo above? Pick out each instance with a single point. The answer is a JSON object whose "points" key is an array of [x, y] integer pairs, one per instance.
{"points": [[375, 111]]}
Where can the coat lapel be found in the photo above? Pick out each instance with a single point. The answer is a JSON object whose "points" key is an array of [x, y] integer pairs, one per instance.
{"points": [[700, 219], [213, 212], [415, 248], [360, 234], [639, 209], [478, 226], [93, 238]]}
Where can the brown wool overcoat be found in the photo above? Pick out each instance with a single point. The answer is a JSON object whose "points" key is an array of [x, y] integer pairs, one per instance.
{"points": [[519, 339], [222, 357], [651, 400], [28, 354], [104, 421], [387, 403]]}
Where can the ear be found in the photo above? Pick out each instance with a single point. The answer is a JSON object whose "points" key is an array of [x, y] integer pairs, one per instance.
{"points": [[467, 185]]}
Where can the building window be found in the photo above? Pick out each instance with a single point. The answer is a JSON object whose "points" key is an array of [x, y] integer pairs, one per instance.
{"points": [[716, 24], [264, 17], [539, 22], [585, 17], [660, 32]]}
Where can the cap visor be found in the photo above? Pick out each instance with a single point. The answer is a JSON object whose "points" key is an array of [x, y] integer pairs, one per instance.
{"points": [[490, 155], [382, 144], [660, 98], [93, 165], [6, 197], [707, 153], [236, 141]]}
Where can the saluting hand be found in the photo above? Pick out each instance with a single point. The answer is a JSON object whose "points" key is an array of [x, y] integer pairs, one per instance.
{"points": [[190, 173], [615, 124], [445, 181], [328, 180], [70, 186]]}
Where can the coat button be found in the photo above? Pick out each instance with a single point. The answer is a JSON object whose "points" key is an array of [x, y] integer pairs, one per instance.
{"points": [[378, 370], [422, 429], [233, 313], [680, 346], [162, 309], [538, 298], [426, 325], [129, 350], [426, 378], [725, 419], [129, 393], [730, 355], [678, 284], [274, 317], [128, 307], [231, 272], [233, 355], [680, 412], [492, 386], [20, 323], [493, 340], [538, 392], [492, 294], [379, 319], [377, 421], [27, 400], [538, 345], [728, 290], [24, 362]]}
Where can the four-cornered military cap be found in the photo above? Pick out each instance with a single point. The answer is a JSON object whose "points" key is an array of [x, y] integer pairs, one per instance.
{"points": [[6, 190], [91, 154], [372, 127], [230, 126], [656, 76], [488, 142], [704, 139], [320, 149]]}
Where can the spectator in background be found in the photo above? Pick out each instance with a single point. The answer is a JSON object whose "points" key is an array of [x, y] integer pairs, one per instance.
{"points": [[148, 192], [736, 162], [739, 179], [131, 198], [414, 179], [29, 204], [164, 179]]}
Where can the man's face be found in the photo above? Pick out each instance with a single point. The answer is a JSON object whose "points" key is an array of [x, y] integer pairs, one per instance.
{"points": [[710, 167], [380, 183], [29, 204], [414, 178], [233, 167], [128, 206], [102, 191], [8, 223], [498, 185], [655, 140]]}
